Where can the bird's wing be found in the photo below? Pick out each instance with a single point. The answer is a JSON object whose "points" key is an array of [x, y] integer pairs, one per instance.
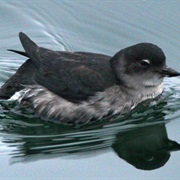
{"points": [[74, 76]]}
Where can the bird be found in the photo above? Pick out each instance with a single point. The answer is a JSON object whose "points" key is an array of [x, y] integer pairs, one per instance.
{"points": [[82, 87]]}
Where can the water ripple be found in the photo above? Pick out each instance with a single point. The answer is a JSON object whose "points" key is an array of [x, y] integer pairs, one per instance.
{"points": [[104, 28], [31, 136]]}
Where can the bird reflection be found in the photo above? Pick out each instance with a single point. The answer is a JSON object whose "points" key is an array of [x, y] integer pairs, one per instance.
{"points": [[146, 148], [140, 137]]}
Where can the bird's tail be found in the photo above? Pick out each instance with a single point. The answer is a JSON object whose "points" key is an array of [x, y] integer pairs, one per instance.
{"points": [[31, 48]]}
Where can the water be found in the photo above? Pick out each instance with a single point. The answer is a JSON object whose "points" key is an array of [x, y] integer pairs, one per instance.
{"points": [[31, 148]]}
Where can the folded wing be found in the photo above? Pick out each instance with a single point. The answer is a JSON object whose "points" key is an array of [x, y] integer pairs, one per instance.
{"points": [[74, 76]]}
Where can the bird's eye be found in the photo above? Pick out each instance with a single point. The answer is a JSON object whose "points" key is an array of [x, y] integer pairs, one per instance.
{"points": [[148, 157], [145, 63]]}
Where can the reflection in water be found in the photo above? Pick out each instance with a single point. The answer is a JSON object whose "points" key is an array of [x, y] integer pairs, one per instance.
{"points": [[146, 148], [138, 137], [102, 27]]}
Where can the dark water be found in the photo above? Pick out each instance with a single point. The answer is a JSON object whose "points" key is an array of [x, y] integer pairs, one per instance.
{"points": [[31, 148]]}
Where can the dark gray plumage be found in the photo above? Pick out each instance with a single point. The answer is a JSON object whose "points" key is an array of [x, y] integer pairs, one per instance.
{"points": [[81, 86]]}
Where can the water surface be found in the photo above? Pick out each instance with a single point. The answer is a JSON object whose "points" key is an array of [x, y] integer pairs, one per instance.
{"points": [[117, 148]]}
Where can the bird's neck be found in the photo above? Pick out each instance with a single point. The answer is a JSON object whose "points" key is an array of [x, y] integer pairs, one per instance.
{"points": [[148, 92]]}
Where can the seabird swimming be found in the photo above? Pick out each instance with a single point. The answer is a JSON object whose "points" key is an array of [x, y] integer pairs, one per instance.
{"points": [[79, 87]]}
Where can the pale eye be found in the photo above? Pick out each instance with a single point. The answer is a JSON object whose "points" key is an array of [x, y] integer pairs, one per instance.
{"points": [[148, 157], [145, 62]]}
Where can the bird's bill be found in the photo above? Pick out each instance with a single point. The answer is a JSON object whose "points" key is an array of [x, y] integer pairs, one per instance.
{"points": [[169, 72]]}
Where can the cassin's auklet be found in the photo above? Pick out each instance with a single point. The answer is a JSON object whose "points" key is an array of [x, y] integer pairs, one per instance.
{"points": [[79, 87]]}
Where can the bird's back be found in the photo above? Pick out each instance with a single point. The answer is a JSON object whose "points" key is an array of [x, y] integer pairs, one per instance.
{"points": [[72, 75]]}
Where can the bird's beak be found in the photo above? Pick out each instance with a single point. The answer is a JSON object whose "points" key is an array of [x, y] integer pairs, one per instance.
{"points": [[169, 72]]}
